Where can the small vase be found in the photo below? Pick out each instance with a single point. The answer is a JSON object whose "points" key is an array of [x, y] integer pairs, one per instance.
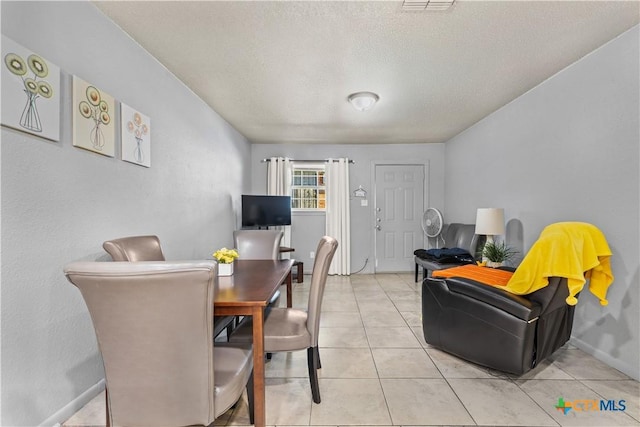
{"points": [[30, 118], [495, 264], [225, 269]]}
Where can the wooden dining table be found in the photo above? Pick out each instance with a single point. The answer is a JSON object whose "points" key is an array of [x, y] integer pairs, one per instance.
{"points": [[247, 293]]}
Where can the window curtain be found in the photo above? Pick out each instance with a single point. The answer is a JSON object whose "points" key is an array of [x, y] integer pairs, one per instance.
{"points": [[279, 184], [337, 214]]}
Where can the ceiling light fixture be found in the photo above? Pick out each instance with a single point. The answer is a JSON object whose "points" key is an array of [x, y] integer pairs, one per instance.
{"points": [[363, 101]]}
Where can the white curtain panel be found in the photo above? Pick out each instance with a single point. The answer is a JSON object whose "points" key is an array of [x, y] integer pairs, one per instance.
{"points": [[279, 184], [337, 213]]}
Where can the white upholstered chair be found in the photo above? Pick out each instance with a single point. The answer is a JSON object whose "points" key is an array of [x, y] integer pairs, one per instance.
{"points": [[147, 248], [290, 329], [259, 244], [154, 327]]}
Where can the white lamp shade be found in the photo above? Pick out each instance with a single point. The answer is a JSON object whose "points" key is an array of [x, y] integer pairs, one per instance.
{"points": [[362, 101], [490, 221]]}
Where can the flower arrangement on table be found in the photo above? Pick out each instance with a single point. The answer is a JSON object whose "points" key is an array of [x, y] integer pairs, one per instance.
{"points": [[225, 258]]}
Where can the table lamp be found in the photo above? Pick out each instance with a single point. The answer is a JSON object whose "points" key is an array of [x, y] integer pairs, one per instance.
{"points": [[490, 222]]}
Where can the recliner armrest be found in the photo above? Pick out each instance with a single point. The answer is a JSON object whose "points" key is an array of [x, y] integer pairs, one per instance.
{"points": [[434, 265], [515, 305]]}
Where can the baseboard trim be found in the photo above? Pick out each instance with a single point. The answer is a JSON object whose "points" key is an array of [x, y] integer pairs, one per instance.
{"points": [[74, 406], [625, 368]]}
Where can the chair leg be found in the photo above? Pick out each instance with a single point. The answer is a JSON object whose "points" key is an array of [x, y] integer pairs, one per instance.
{"points": [[106, 405], [300, 275], [230, 329], [319, 366], [312, 362], [250, 398], [416, 272]]}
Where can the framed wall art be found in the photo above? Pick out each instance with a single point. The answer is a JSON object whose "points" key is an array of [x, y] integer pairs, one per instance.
{"points": [[135, 136], [30, 91], [93, 113]]}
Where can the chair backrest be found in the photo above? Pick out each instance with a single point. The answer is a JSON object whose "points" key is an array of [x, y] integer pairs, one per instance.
{"points": [[257, 244], [154, 326], [457, 235], [134, 248], [324, 254]]}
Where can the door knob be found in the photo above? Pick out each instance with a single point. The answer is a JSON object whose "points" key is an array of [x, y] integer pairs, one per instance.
{"points": [[378, 227], [378, 219]]}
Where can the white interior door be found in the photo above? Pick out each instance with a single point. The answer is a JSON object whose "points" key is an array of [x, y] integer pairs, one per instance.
{"points": [[399, 204]]}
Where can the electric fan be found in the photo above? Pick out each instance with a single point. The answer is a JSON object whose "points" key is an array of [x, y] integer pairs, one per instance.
{"points": [[432, 223]]}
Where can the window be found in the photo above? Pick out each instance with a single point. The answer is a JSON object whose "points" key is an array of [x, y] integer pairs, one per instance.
{"points": [[307, 188]]}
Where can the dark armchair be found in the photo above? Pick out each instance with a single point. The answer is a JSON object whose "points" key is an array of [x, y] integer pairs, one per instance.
{"points": [[492, 327], [454, 235]]}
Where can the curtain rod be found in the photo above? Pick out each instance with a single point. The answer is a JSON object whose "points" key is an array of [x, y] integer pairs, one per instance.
{"points": [[308, 161]]}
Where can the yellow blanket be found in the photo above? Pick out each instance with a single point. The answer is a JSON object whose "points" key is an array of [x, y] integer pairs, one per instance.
{"points": [[575, 250]]}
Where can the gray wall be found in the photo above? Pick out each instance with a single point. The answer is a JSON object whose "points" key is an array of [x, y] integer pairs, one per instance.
{"points": [[59, 203], [568, 151], [307, 229]]}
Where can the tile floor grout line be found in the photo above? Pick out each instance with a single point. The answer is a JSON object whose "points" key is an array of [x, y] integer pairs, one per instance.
{"points": [[386, 402], [446, 380], [536, 402], [581, 381]]}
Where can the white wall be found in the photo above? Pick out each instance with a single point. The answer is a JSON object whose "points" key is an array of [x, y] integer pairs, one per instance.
{"points": [[568, 150], [307, 229], [59, 203]]}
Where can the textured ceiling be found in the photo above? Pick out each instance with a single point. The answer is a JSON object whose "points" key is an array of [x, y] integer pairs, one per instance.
{"points": [[281, 71]]}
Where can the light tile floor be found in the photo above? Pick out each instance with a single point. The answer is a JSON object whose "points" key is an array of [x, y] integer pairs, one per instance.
{"points": [[377, 370]]}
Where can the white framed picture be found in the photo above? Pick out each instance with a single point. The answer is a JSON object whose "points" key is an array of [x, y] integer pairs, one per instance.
{"points": [[93, 125], [30, 91], [135, 136]]}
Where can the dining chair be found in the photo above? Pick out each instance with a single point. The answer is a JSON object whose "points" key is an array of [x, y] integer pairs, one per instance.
{"points": [[154, 323], [135, 248], [259, 244], [290, 329], [147, 248]]}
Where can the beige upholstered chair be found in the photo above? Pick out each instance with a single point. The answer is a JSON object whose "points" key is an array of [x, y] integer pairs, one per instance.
{"points": [[259, 244], [154, 325], [289, 329], [147, 248], [135, 248]]}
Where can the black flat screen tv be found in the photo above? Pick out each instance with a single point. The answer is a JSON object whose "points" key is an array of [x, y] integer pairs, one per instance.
{"points": [[265, 211]]}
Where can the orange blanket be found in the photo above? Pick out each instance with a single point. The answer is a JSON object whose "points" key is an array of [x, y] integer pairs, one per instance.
{"points": [[486, 275]]}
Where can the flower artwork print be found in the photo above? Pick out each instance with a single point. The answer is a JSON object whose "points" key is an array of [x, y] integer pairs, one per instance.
{"points": [[33, 87], [30, 91], [135, 136], [93, 110]]}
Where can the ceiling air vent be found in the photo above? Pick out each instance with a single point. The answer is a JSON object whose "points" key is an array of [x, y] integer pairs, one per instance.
{"points": [[420, 5]]}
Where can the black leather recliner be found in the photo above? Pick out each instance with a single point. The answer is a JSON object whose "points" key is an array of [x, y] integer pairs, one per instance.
{"points": [[492, 327]]}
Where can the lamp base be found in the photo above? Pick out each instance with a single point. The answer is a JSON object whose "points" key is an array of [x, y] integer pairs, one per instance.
{"points": [[489, 240]]}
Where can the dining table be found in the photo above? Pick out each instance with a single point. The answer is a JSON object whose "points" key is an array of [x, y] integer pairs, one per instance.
{"points": [[247, 292]]}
